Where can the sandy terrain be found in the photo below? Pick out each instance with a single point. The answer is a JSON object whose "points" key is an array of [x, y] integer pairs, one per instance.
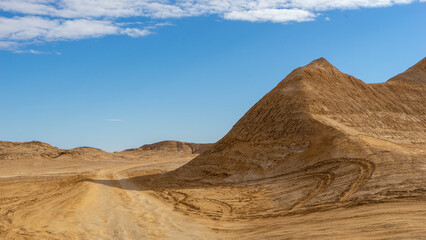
{"points": [[321, 156], [113, 203]]}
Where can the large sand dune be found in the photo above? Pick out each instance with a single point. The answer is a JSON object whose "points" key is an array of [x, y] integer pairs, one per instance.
{"points": [[322, 156]]}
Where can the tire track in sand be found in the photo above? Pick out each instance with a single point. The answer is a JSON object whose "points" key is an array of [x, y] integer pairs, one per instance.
{"points": [[325, 180], [366, 169]]}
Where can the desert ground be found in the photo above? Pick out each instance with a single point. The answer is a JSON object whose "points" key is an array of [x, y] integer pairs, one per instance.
{"points": [[109, 200], [321, 156]]}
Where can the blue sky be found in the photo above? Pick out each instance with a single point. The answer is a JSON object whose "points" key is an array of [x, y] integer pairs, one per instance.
{"points": [[123, 77]]}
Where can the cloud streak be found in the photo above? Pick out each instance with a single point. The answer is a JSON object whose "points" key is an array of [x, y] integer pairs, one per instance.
{"points": [[114, 120], [58, 20], [17, 29]]}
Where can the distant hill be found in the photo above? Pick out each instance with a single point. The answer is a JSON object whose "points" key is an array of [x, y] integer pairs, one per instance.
{"points": [[174, 146], [40, 150]]}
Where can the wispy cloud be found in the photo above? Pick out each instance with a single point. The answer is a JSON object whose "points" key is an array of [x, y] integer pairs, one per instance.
{"points": [[17, 29], [114, 120], [31, 51], [44, 21], [8, 45]]}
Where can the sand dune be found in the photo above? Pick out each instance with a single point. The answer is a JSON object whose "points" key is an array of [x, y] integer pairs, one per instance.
{"points": [[322, 156]]}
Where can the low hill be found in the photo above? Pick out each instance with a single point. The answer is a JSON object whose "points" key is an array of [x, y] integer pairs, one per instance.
{"points": [[173, 146], [38, 150]]}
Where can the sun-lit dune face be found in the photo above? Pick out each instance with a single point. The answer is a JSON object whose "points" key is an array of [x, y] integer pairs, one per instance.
{"points": [[323, 155], [318, 113]]}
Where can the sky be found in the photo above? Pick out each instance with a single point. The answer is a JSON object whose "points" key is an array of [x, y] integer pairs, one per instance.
{"points": [[117, 74]]}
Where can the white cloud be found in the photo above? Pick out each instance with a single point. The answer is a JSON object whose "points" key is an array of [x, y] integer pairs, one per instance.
{"points": [[271, 15], [175, 8], [8, 45], [54, 20], [19, 28], [80, 28], [45, 29], [135, 32]]}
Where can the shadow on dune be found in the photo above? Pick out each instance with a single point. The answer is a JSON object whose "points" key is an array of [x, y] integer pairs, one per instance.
{"points": [[205, 179], [158, 182]]}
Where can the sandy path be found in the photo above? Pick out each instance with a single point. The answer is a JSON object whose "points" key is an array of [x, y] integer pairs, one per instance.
{"points": [[132, 214], [154, 218], [91, 210]]}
